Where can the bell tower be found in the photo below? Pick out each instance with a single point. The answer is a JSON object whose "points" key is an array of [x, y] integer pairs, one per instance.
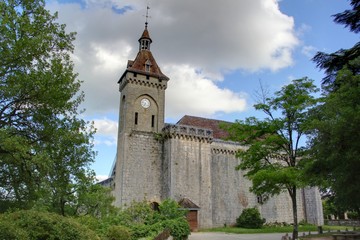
{"points": [[136, 173], [142, 88]]}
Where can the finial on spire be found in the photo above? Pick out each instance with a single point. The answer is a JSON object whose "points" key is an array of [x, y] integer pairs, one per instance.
{"points": [[147, 16]]}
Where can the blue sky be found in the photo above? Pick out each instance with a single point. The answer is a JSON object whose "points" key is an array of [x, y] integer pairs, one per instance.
{"points": [[215, 53]]}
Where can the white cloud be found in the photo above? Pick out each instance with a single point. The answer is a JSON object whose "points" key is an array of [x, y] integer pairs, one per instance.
{"points": [[194, 42], [106, 131], [191, 93], [309, 51]]}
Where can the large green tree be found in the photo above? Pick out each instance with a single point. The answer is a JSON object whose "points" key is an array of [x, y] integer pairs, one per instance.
{"points": [[335, 142], [273, 157], [45, 148], [335, 145]]}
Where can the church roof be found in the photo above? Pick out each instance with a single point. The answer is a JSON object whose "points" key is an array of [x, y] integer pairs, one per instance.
{"points": [[145, 57], [200, 122], [144, 62]]}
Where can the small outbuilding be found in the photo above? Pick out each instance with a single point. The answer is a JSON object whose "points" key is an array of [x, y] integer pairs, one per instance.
{"points": [[192, 215]]}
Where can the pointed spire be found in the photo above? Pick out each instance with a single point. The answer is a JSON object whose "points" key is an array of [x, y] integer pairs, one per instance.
{"points": [[145, 39], [147, 16]]}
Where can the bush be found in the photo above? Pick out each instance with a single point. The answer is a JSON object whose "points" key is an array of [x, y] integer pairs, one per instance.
{"points": [[145, 231], [10, 231], [179, 228], [353, 215], [118, 233], [27, 224], [250, 218], [170, 209]]}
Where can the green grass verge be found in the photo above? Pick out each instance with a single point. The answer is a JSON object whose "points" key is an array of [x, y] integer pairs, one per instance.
{"points": [[265, 229]]}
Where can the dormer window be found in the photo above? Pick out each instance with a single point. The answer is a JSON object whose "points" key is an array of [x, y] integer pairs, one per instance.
{"points": [[147, 65]]}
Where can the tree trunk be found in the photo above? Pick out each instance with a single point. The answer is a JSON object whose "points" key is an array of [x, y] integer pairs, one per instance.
{"points": [[295, 217]]}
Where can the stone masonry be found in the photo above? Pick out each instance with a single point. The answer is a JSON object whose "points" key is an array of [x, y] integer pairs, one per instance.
{"points": [[188, 160]]}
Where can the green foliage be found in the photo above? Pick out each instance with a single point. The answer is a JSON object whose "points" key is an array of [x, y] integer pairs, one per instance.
{"points": [[8, 230], [250, 218], [118, 233], [138, 213], [145, 231], [41, 225], [170, 209], [353, 215], [144, 221], [273, 157], [45, 149], [179, 228], [141, 220], [335, 144]]}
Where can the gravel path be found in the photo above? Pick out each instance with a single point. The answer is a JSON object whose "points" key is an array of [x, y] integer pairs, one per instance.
{"points": [[231, 236]]}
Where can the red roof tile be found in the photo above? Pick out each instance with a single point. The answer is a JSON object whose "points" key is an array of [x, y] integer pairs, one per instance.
{"points": [[145, 35], [138, 65], [200, 122], [143, 58]]}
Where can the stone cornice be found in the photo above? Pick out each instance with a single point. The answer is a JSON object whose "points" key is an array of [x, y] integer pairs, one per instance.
{"points": [[223, 151], [188, 132], [142, 82]]}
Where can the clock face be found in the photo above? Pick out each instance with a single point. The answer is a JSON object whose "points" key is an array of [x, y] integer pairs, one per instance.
{"points": [[145, 103]]}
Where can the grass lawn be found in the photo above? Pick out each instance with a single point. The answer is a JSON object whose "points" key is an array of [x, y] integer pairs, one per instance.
{"points": [[285, 229]]}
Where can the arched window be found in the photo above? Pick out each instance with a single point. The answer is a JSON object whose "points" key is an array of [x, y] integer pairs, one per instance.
{"points": [[154, 206]]}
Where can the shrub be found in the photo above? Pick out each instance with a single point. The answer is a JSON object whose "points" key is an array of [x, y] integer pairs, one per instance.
{"points": [[170, 209], [118, 233], [179, 228], [250, 218], [8, 230], [145, 231], [353, 215], [43, 225]]}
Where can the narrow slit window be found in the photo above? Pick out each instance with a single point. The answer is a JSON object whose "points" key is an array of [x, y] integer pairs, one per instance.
{"points": [[153, 121], [136, 118]]}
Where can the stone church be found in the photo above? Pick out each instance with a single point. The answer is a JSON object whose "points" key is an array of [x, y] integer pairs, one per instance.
{"points": [[188, 161]]}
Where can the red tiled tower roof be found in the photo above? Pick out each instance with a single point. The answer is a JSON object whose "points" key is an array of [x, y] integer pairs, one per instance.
{"points": [[144, 62]]}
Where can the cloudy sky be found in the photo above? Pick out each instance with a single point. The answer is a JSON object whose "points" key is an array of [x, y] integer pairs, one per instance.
{"points": [[214, 52]]}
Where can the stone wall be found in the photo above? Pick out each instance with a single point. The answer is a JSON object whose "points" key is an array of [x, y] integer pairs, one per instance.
{"points": [[186, 162], [313, 206], [187, 169], [139, 175], [230, 190], [231, 194], [279, 208], [344, 222]]}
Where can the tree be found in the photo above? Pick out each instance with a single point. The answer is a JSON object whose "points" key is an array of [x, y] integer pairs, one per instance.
{"points": [[334, 62], [335, 143], [273, 156], [45, 149]]}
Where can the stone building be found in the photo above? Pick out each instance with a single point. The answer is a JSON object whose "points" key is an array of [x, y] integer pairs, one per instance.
{"points": [[187, 161]]}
